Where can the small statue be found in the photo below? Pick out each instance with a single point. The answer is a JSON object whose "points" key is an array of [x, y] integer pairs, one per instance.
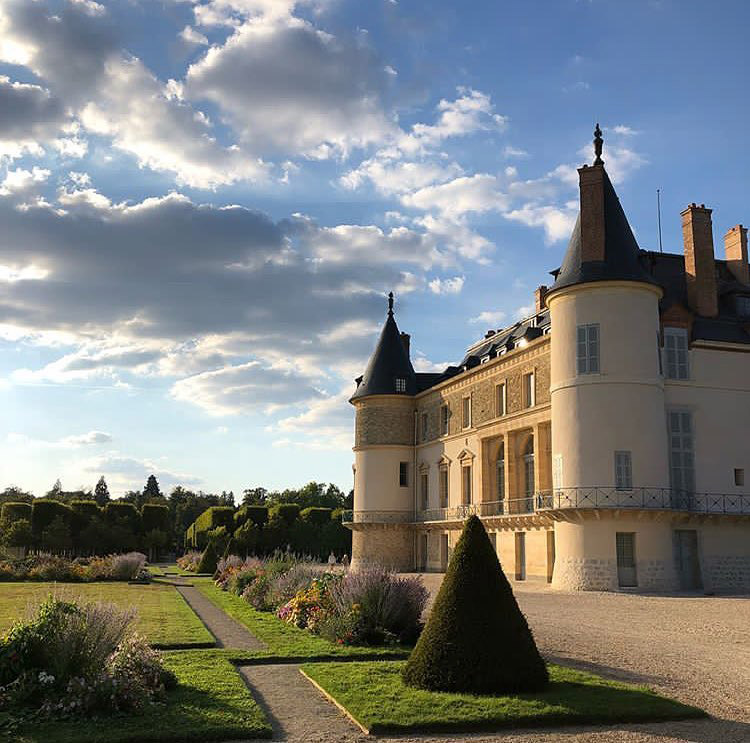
{"points": [[598, 142]]}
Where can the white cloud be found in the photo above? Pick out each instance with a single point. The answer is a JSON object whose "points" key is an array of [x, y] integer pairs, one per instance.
{"points": [[510, 151], [127, 473], [447, 286], [192, 36], [20, 180], [91, 438], [491, 318], [557, 222], [477, 193]]}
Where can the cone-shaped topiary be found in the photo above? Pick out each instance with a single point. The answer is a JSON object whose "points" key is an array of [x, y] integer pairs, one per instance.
{"points": [[209, 558], [476, 639]]}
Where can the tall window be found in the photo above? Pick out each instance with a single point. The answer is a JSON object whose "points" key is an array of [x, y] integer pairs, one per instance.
{"points": [[528, 475], [403, 474], [500, 400], [466, 477], [425, 422], [529, 390], [682, 467], [466, 422], [587, 351], [501, 473], [425, 488], [623, 470], [444, 415], [443, 486], [400, 384], [676, 353]]}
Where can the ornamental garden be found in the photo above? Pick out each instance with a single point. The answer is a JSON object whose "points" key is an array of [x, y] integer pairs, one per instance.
{"points": [[113, 647]]}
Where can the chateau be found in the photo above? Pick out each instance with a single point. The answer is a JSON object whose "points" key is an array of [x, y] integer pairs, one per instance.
{"points": [[604, 441]]}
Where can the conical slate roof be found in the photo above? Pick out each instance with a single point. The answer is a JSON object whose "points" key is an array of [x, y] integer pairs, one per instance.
{"points": [[389, 363], [622, 256]]}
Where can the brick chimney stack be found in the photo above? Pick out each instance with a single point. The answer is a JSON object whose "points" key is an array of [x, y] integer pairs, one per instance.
{"points": [[591, 182], [735, 251], [700, 269], [406, 340], [540, 298]]}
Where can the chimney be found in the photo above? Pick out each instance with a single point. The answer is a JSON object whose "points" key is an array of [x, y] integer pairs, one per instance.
{"points": [[591, 180], [406, 339], [700, 269], [735, 251], [540, 298]]}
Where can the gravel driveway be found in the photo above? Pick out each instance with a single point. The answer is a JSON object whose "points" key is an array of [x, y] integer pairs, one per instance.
{"points": [[692, 648]]}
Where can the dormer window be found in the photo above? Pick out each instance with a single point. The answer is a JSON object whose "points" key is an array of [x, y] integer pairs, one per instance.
{"points": [[743, 306], [400, 384]]}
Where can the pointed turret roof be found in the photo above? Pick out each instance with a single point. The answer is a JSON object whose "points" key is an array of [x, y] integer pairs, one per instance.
{"points": [[388, 363], [602, 246]]}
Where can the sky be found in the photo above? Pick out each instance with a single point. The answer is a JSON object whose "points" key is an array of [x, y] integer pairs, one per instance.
{"points": [[203, 204]]}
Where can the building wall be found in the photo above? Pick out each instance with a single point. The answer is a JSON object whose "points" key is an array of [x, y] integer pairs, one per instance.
{"points": [[718, 394]]}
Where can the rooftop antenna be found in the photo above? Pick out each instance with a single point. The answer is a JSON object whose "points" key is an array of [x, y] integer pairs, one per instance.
{"points": [[658, 215]]}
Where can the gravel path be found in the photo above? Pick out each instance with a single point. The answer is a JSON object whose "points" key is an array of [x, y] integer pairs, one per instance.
{"points": [[297, 711], [228, 632]]}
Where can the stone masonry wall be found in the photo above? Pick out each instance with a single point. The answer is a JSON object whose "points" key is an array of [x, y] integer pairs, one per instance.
{"points": [[585, 574], [384, 421], [727, 573], [481, 385]]}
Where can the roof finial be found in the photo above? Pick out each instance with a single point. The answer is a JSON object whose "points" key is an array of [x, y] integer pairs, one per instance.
{"points": [[390, 303], [598, 142]]}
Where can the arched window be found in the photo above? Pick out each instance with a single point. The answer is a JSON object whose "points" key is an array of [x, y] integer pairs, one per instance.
{"points": [[528, 474], [501, 473]]}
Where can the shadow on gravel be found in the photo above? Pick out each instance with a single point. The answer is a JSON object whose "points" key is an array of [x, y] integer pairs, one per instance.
{"points": [[609, 672]]}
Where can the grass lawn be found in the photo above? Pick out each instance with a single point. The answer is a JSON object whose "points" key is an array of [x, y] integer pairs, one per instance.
{"points": [[211, 703], [374, 695], [284, 640], [163, 616]]}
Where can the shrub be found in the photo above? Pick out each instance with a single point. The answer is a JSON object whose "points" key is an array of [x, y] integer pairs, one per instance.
{"points": [[154, 516], [255, 591], [57, 536], [285, 513], [476, 640], [44, 512], [388, 606], [13, 511], [314, 515], [128, 566], [285, 586], [88, 509], [209, 560], [258, 515], [123, 514], [189, 561], [52, 568], [17, 533], [212, 518], [79, 659]]}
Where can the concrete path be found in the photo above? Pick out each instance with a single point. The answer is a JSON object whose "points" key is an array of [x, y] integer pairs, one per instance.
{"points": [[228, 632], [297, 711]]}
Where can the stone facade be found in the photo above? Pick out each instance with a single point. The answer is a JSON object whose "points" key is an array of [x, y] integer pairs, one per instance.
{"points": [[385, 421]]}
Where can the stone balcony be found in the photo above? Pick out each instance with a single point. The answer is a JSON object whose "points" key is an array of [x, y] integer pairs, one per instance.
{"points": [[551, 505]]}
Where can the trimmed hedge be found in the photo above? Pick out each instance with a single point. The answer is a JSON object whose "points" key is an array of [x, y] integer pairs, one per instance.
{"points": [[13, 511], [476, 639], [209, 559], [155, 516], [44, 512], [286, 512], [212, 518], [88, 509], [121, 511], [316, 515], [257, 514]]}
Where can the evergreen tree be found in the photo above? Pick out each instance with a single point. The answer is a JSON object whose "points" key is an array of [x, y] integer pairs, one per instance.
{"points": [[101, 492], [56, 490], [151, 490], [476, 639]]}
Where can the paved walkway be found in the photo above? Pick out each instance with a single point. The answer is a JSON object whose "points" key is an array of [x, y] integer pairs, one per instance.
{"points": [[228, 632], [297, 711]]}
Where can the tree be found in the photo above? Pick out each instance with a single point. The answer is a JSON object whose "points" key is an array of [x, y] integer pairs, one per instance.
{"points": [[476, 639], [56, 490], [151, 490], [154, 540], [254, 496], [17, 533], [15, 495], [101, 492], [56, 537], [209, 559]]}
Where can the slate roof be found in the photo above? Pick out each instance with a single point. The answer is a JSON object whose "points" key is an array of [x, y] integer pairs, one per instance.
{"points": [[388, 363], [623, 259]]}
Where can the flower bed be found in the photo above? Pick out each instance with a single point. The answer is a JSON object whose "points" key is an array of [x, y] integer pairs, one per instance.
{"points": [[125, 567], [373, 606], [78, 660]]}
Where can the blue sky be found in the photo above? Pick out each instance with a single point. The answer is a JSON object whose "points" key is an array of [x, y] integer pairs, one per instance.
{"points": [[204, 202]]}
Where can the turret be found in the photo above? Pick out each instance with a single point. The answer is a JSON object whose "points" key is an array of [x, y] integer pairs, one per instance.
{"points": [[608, 420], [384, 452]]}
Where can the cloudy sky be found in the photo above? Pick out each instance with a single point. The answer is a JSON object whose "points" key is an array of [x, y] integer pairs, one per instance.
{"points": [[204, 202]]}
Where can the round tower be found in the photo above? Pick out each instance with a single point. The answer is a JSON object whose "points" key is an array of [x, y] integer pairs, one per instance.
{"points": [[384, 453], [609, 438]]}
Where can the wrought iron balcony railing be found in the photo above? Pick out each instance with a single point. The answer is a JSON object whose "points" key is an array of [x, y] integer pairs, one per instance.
{"points": [[563, 498]]}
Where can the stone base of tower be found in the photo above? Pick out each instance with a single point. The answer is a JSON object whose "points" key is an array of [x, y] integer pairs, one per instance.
{"points": [[390, 546]]}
